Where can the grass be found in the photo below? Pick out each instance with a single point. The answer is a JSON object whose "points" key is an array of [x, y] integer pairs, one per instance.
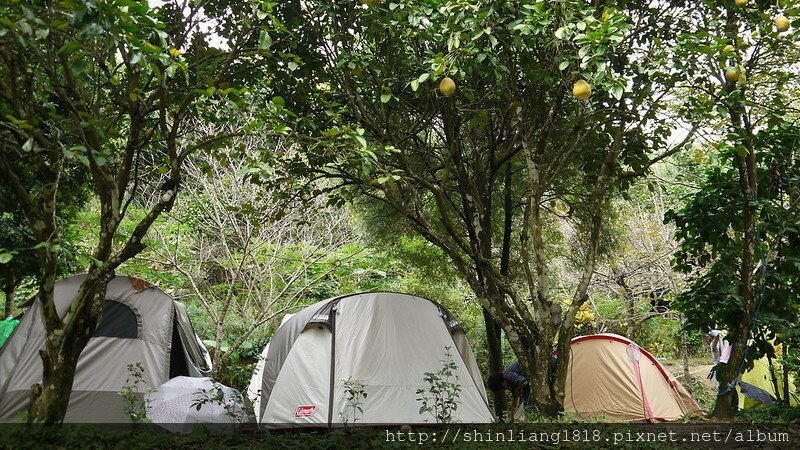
{"points": [[561, 433]]}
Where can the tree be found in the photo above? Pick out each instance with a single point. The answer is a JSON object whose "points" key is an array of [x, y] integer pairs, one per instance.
{"points": [[730, 233], [18, 259], [242, 261], [638, 270], [476, 172], [107, 88]]}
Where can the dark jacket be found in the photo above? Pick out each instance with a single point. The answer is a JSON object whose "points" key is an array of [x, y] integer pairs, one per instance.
{"points": [[515, 376]]}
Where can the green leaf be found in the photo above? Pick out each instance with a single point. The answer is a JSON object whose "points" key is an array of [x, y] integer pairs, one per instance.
{"points": [[414, 85], [264, 40], [6, 257], [563, 65], [385, 98], [28, 145], [80, 66], [617, 92], [69, 47], [25, 27]]}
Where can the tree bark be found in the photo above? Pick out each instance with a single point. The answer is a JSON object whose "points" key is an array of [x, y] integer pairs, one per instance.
{"points": [[685, 357], [9, 291], [785, 373], [748, 185], [63, 347], [495, 349], [630, 303]]}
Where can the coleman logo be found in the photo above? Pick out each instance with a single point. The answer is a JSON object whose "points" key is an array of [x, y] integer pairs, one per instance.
{"points": [[304, 410]]}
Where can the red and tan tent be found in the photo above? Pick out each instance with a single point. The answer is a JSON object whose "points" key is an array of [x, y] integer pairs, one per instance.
{"points": [[611, 377]]}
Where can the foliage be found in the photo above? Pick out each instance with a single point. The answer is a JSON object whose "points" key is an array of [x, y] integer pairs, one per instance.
{"points": [[776, 413], [355, 396], [440, 399], [475, 173], [245, 263], [233, 402], [107, 90], [19, 263], [742, 86], [135, 406], [704, 395], [711, 233]]}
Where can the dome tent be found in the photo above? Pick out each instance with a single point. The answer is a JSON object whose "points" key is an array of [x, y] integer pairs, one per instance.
{"points": [[385, 342], [610, 376], [140, 324], [254, 388], [757, 386]]}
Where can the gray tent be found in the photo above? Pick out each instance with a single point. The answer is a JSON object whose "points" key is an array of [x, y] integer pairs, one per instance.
{"points": [[383, 342], [140, 324]]}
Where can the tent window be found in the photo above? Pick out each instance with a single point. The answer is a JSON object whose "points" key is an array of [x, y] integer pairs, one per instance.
{"points": [[118, 321]]}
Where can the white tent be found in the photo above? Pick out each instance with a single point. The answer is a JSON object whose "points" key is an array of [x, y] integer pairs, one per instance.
{"points": [[254, 388], [383, 343], [140, 324], [184, 404]]}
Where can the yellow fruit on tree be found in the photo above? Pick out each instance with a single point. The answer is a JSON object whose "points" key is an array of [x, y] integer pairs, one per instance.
{"points": [[781, 23], [741, 3], [581, 90], [447, 86], [732, 75], [174, 52]]}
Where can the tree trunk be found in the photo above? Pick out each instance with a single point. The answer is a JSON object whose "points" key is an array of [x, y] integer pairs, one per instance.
{"points": [[495, 348], [216, 354], [722, 407], [9, 291], [774, 379], [785, 372], [630, 303], [49, 400], [748, 185], [542, 392], [63, 346], [685, 358]]}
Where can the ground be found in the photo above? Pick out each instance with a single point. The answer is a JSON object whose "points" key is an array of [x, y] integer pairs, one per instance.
{"points": [[701, 388]]}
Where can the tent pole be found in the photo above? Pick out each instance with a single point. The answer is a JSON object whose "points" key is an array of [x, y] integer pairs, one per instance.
{"points": [[333, 366]]}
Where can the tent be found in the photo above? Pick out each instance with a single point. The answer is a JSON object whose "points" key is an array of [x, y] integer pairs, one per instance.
{"points": [[610, 376], [254, 388], [7, 326], [380, 344], [184, 404], [757, 386], [140, 324]]}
